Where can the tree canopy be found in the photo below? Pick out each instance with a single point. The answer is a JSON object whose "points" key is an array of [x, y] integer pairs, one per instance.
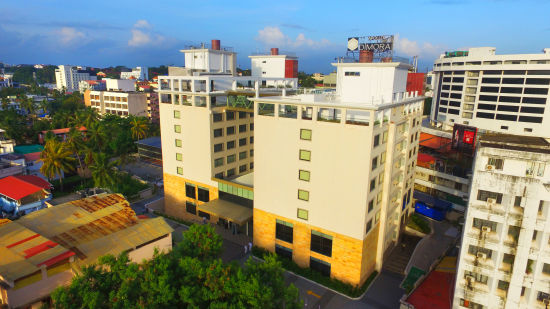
{"points": [[191, 276]]}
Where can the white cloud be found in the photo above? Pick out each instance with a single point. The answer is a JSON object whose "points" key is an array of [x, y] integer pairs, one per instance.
{"points": [[142, 35], [414, 48], [142, 23], [274, 37], [69, 35]]}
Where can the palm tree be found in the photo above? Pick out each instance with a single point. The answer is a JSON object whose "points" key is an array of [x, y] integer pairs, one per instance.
{"points": [[96, 135], [27, 103], [103, 170], [56, 159], [75, 143], [139, 128], [5, 103], [44, 105]]}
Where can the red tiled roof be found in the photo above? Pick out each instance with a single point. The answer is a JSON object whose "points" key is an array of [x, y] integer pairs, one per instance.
{"points": [[35, 180], [33, 156], [17, 187], [62, 131]]}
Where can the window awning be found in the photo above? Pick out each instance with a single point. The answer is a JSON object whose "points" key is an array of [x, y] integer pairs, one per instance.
{"points": [[227, 210]]}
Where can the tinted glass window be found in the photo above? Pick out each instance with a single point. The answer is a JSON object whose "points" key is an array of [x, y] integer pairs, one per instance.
{"points": [[507, 117], [485, 115]]}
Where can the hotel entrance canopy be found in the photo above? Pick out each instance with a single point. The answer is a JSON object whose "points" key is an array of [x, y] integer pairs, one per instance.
{"points": [[227, 210]]}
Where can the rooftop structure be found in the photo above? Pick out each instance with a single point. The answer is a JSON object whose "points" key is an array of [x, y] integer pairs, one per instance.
{"points": [[150, 150], [494, 93], [503, 260], [274, 65], [118, 103], [61, 134], [45, 249], [23, 194]]}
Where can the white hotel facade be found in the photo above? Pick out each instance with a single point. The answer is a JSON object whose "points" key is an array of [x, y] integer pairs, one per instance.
{"points": [[495, 93]]}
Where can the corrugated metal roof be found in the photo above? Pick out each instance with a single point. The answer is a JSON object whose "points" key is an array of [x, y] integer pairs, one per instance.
{"points": [[90, 227]]}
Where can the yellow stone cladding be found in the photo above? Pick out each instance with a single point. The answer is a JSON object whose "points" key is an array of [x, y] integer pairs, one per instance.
{"points": [[352, 260], [175, 198]]}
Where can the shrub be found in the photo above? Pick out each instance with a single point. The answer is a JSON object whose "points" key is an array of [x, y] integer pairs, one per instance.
{"points": [[418, 223]]}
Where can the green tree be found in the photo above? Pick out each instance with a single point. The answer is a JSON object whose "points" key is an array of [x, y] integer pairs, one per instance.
{"points": [[305, 80], [75, 142], [56, 159], [97, 135], [139, 127], [103, 170], [200, 241]]}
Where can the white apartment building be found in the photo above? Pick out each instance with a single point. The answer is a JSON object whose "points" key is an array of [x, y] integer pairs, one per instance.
{"points": [[505, 258], [207, 133], [120, 84], [495, 93], [139, 73], [68, 77], [334, 171], [117, 103], [273, 65]]}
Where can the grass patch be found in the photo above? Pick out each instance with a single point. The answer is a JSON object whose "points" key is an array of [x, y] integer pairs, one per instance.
{"points": [[337, 285], [127, 185], [416, 222], [161, 214], [70, 185]]}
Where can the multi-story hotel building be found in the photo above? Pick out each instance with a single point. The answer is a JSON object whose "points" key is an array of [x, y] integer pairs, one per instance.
{"points": [[504, 259], [207, 131], [334, 171], [496, 93], [274, 65], [68, 77], [117, 103]]}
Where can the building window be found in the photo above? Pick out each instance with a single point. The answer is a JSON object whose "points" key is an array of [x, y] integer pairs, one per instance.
{"points": [[190, 191], [204, 194], [376, 140], [242, 115], [479, 223], [546, 269], [218, 162], [321, 243], [303, 175], [242, 155], [217, 117], [369, 226], [303, 195], [251, 152], [230, 172], [242, 168], [219, 175], [242, 142], [284, 231], [371, 206], [305, 134], [320, 266], [231, 159], [470, 304], [374, 163], [305, 155], [177, 114], [218, 147], [483, 195], [242, 128], [496, 162], [251, 127], [191, 208], [179, 156], [177, 128], [205, 215], [474, 250], [384, 137], [251, 165], [230, 130], [517, 201], [230, 115], [230, 145], [252, 140], [373, 184], [283, 252], [303, 214], [218, 132], [383, 157], [180, 170], [477, 277]]}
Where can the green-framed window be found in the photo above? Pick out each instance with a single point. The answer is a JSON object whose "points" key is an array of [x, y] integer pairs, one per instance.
{"points": [[177, 128], [178, 142], [303, 214], [305, 155], [179, 156], [179, 170], [304, 175], [305, 134], [177, 114], [303, 195]]}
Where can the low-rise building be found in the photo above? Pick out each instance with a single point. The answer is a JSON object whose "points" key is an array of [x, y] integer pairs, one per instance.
{"points": [[150, 150], [60, 134], [137, 73], [84, 85], [117, 103], [46, 249], [6, 145], [23, 194]]}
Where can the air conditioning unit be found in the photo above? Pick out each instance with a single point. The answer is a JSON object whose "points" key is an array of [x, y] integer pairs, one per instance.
{"points": [[486, 229], [489, 167], [481, 255]]}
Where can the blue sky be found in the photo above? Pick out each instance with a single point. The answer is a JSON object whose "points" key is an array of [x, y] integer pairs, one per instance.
{"points": [[133, 33]]}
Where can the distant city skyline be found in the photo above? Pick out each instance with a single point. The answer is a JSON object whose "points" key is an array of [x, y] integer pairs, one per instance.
{"points": [[102, 33]]}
